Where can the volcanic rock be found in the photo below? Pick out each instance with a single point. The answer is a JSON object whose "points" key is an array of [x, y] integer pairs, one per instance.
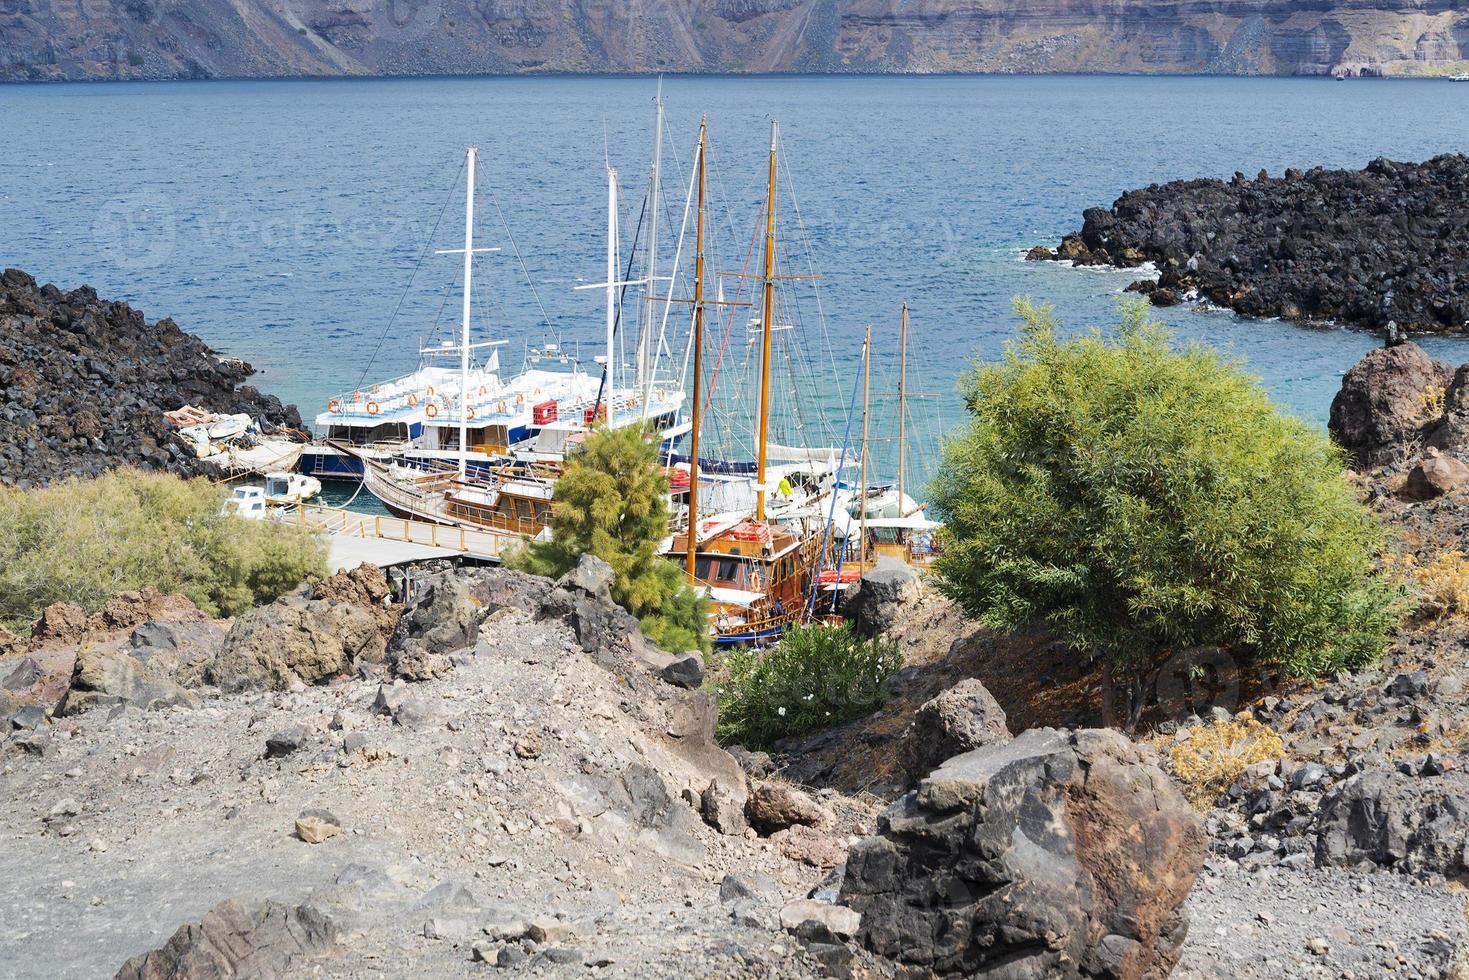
{"points": [[1418, 824], [1057, 854], [881, 596], [84, 384], [367, 588], [1369, 247], [773, 807], [107, 676], [1435, 476]]}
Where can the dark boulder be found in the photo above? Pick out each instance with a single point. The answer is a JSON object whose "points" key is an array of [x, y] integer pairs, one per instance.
{"points": [[885, 591], [963, 718], [442, 619], [106, 676], [1055, 855], [1385, 400]]}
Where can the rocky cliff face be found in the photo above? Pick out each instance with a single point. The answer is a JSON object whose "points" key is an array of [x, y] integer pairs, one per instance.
{"points": [[95, 39]]}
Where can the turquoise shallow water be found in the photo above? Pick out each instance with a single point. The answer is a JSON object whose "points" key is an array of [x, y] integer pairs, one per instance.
{"points": [[281, 221]]}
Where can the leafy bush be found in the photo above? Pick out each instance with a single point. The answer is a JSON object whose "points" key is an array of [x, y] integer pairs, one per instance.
{"points": [[817, 676], [1141, 500], [1213, 756], [84, 540], [611, 501]]}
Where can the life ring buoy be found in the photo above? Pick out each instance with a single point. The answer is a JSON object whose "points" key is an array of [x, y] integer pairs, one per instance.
{"points": [[334, 406], [520, 399], [372, 408], [432, 411], [469, 414], [430, 392], [483, 391], [412, 399], [660, 394], [501, 407]]}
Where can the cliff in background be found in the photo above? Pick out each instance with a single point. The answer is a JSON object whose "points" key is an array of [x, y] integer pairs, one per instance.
{"points": [[123, 39]]}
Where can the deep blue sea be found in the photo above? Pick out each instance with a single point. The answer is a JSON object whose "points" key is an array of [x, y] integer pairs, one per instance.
{"points": [[282, 221]]}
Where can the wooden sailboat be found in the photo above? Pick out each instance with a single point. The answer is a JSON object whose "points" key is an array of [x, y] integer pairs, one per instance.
{"points": [[757, 571]]}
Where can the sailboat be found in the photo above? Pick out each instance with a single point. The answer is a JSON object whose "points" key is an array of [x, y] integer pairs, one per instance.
{"points": [[528, 418], [892, 524], [756, 566]]}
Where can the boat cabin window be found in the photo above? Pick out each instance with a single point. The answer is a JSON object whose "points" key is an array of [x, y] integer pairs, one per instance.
{"points": [[726, 572]]}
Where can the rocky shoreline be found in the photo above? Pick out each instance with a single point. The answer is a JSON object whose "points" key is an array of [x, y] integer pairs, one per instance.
{"points": [[84, 383], [1368, 248]]}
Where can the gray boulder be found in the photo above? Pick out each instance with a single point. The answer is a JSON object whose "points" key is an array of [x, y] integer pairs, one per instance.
{"points": [[1410, 823], [237, 938], [591, 575], [963, 718], [109, 676], [884, 592], [1058, 854], [773, 807], [179, 650], [310, 641]]}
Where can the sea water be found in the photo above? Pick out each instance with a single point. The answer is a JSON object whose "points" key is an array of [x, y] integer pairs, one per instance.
{"points": [[292, 223]]}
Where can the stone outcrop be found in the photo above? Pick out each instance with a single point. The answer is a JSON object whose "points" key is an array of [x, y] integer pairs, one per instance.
{"points": [[254, 38], [883, 593], [84, 383], [294, 640], [1055, 855], [366, 587], [1385, 401], [963, 718], [1375, 248], [109, 676], [237, 938]]}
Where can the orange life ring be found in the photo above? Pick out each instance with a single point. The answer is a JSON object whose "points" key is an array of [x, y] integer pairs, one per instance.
{"points": [[334, 406], [432, 411], [482, 391], [501, 407], [430, 392], [520, 399], [412, 399], [469, 414], [372, 408]]}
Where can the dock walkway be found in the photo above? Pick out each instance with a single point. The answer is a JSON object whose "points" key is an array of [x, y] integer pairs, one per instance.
{"points": [[354, 538]]}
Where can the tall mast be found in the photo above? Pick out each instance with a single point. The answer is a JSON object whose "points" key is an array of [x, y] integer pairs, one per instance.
{"points": [[866, 396], [766, 323], [902, 405], [654, 195], [611, 293], [464, 323], [697, 386]]}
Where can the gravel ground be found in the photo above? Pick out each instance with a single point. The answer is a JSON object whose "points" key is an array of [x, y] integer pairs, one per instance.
{"points": [[1321, 923]]}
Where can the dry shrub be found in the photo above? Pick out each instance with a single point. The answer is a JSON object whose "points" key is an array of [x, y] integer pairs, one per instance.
{"points": [[1441, 584], [1431, 402], [1213, 757]]}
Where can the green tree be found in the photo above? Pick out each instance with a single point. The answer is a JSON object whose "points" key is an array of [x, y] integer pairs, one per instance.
{"points": [[82, 541], [1141, 501], [611, 501]]}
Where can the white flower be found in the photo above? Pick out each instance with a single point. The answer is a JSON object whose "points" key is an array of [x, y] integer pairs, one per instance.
{"points": [[781, 712]]}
